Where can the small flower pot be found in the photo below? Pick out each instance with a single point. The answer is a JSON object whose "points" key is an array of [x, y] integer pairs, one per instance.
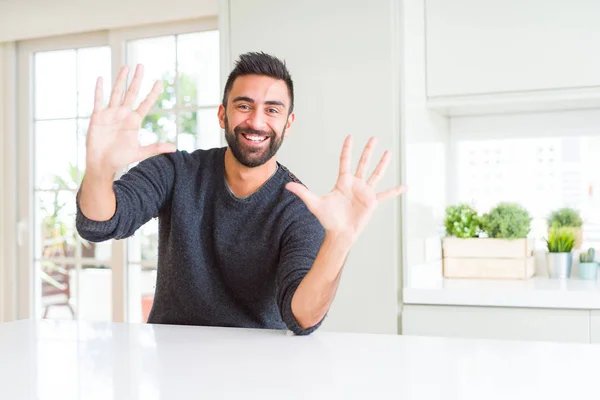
{"points": [[559, 265], [588, 270]]}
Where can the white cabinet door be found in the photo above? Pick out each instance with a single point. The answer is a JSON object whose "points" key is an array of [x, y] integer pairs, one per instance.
{"points": [[497, 323], [595, 327], [344, 58], [491, 46]]}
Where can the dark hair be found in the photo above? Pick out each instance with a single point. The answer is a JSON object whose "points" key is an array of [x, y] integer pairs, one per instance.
{"points": [[255, 63]]}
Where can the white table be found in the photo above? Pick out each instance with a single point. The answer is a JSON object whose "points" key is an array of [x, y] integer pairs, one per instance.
{"points": [[69, 360]]}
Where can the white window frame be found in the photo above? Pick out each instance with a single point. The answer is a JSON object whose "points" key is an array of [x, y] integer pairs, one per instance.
{"points": [[116, 40], [8, 183]]}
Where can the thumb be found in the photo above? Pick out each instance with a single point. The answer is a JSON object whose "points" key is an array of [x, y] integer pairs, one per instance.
{"points": [[305, 195], [154, 149]]}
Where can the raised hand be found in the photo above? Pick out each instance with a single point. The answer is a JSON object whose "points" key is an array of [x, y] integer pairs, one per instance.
{"points": [[349, 206], [112, 139]]}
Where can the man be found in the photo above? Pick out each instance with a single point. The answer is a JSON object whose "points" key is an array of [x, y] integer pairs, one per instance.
{"points": [[242, 242]]}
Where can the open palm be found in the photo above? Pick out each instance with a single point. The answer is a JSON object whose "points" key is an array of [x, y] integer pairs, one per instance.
{"points": [[349, 206], [112, 140]]}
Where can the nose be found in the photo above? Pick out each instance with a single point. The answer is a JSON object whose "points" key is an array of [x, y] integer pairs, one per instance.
{"points": [[256, 120]]}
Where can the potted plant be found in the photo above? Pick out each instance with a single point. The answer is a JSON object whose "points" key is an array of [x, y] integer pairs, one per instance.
{"points": [[462, 221], [588, 268], [560, 257], [507, 221], [494, 245], [567, 218]]}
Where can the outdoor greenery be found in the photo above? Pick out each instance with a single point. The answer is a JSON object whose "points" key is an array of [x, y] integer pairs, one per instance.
{"points": [[156, 122]]}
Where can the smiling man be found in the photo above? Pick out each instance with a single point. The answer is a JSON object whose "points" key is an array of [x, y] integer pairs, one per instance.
{"points": [[242, 243]]}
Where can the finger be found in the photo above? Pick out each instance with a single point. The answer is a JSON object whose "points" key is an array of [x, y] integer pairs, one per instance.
{"points": [[98, 95], [305, 195], [134, 88], [155, 149], [380, 169], [149, 101], [117, 92], [346, 155], [391, 193], [365, 158]]}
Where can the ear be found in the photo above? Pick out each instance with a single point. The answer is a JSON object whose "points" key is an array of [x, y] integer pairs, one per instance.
{"points": [[289, 123], [221, 115]]}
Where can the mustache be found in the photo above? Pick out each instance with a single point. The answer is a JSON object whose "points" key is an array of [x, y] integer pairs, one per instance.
{"points": [[249, 131]]}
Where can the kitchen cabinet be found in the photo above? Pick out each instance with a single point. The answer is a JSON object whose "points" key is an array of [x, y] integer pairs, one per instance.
{"points": [[490, 47], [505, 323]]}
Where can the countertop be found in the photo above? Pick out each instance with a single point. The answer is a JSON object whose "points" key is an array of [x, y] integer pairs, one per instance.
{"points": [[428, 287], [82, 360]]}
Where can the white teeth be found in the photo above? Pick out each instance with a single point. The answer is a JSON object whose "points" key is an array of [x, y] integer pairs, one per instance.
{"points": [[255, 138]]}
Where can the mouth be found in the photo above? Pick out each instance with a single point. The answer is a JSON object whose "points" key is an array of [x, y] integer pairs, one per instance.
{"points": [[253, 139]]}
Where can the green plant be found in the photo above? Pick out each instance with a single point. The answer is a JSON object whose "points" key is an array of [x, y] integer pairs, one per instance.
{"points": [[587, 257], [560, 240], [188, 121], [564, 217], [462, 221], [507, 221]]}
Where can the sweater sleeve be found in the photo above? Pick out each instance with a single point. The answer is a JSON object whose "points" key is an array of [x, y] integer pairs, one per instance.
{"points": [[301, 243], [140, 194]]}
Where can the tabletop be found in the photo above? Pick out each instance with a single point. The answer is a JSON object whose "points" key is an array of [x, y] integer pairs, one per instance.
{"points": [[45, 359]]}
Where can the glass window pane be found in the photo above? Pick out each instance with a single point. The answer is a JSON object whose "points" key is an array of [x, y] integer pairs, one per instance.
{"points": [[143, 246], [187, 136], [142, 285], [209, 130], [158, 128], [92, 63], [95, 293], [55, 154], [55, 84], [198, 67], [56, 290], [158, 57], [55, 234], [82, 128], [199, 130], [98, 251], [541, 174]]}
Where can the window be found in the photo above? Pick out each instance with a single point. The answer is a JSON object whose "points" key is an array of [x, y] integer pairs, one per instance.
{"points": [[185, 114], [66, 276], [542, 174], [72, 276]]}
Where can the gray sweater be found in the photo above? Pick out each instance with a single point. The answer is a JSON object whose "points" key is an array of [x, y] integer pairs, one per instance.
{"points": [[222, 260]]}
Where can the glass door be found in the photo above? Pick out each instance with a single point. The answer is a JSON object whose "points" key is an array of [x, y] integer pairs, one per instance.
{"points": [[60, 275], [68, 277], [185, 114]]}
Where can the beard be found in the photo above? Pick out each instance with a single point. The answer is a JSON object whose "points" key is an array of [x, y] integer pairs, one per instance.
{"points": [[250, 157]]}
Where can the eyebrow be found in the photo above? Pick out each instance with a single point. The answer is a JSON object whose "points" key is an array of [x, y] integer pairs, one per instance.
{"points": [[250, 100]]}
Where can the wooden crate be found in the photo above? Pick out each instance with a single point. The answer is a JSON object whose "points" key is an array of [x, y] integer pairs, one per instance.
{"points": [[488, 258]]}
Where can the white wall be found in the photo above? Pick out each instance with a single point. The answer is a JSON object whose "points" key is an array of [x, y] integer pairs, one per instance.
{"points": [[25, 19], [343, 58], [487, 46], [426, 158]]}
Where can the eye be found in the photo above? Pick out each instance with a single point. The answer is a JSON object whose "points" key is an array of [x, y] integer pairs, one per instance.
{"points": [[243, 107], [273, 110]]}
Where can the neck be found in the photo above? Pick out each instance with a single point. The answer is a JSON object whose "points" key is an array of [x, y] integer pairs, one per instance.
{"points": [[244, 181]]}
